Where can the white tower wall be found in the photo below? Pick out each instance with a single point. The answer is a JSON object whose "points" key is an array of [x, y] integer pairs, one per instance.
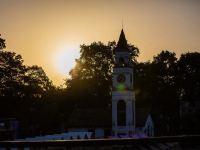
{"points": [[123, 89]]}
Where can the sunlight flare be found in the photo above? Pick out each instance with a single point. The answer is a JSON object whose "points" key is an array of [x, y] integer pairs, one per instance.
{"points": [[64, 60]]}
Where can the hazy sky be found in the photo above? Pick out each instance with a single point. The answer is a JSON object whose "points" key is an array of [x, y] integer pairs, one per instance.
{"points": [[48, 32]]}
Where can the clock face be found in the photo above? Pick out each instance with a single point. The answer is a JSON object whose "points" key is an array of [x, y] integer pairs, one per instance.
{"points": [[121, 78]]}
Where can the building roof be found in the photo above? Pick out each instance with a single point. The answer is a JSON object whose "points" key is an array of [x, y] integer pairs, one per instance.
{"points": [[122, 40], [122, 43], [90, 118]]}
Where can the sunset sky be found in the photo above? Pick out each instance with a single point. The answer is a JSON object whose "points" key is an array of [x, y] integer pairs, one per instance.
{"points": [[48, 32]]}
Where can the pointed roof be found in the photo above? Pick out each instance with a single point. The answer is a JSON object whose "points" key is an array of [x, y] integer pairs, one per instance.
{"points": [[122, 43], [122, 40]]}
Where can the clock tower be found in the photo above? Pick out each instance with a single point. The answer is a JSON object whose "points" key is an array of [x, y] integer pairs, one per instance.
{"points": [[123, 99]]}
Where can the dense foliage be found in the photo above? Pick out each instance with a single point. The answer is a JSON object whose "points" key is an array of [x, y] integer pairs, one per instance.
{"points": [[168, 86], [91, 77]]}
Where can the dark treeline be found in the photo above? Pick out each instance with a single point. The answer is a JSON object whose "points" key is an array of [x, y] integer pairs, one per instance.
{"points": [[168, 86]]}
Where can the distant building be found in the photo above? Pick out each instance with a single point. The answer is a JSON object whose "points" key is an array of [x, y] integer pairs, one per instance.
{"points": [[97, 121], [8, 129], [144, 123], [62, 136]]}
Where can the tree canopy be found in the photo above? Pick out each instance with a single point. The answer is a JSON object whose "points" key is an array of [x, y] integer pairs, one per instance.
{"points": [[2, 43], [92, 75], [162, 85], [22, 88]]}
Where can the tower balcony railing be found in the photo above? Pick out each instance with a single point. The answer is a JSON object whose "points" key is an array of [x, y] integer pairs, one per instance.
{"points": [[128, 65], [123, 93]]}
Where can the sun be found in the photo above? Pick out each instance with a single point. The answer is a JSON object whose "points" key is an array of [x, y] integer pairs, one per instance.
{"points": [[64, 60]]}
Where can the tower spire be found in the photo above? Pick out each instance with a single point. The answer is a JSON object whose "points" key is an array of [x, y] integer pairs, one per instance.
{"points": [[122, 43]]}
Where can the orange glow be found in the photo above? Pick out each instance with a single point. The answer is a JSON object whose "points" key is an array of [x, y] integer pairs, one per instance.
{"points": [[37, 29]]}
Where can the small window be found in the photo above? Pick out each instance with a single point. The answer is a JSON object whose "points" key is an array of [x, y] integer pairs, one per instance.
{"points": [[121, 61]]}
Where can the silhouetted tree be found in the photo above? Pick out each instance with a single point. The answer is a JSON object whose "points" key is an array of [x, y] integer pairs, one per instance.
{"points": [[22, 88], [11, 73], [189, 77], [35, 82], [166, 100], [188, 82], [92, 75], [2, 43], [28, 94], [143, 76]]}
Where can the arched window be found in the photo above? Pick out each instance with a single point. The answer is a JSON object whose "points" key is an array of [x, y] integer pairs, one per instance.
{"points": [[121, 113], [131, 78], [148, 131]]}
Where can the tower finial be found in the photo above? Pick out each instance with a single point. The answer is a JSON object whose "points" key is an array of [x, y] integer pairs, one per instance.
{"points": [[122, 24]]}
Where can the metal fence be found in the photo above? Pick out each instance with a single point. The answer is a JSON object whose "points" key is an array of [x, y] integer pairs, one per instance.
{"points": [[158, 143]]}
